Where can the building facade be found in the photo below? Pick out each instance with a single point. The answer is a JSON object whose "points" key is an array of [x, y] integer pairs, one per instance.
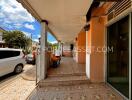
{"points": [[2, 43], [108, 45], [102, 41]]}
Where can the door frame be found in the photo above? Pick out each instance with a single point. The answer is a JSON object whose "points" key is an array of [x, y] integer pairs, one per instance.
{"points": [[119, 17], [130, 31]]}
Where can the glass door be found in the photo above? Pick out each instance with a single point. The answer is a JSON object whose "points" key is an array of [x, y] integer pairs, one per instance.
{"points": [[118, 59]]}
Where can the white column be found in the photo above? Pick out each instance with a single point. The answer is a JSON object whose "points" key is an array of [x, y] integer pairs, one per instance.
{"points": [[87, 53], [59, 47], [87, 57], [43, 42]]}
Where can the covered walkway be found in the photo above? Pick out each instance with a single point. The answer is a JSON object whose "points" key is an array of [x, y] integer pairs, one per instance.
{"points": [[69, 82], [81, 23], [68, 72], [75, 92], [67, 67]]}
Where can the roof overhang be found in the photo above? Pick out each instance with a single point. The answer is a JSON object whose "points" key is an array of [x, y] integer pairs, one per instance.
{"points": [[66, 18]]}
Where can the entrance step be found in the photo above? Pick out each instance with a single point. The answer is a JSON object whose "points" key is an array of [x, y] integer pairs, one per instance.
{"points": [[98, 91], [64, 81], [70, 74]]}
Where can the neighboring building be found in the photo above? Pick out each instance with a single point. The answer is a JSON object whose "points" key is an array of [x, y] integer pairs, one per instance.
{"points": [[35, 44], [2, 43], [1, 30]]}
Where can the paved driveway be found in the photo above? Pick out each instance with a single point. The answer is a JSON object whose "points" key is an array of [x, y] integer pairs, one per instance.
{"points": [[18, 87]]}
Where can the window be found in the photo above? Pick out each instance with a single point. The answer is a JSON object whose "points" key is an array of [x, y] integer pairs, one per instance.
{"points": [[8, 54], [118, 60]]}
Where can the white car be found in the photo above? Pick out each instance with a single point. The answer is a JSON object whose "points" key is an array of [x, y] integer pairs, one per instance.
{"points": [[11, 60]]}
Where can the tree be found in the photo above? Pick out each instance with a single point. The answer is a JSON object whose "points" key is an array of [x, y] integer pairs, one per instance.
{"points": [[16, 39]]}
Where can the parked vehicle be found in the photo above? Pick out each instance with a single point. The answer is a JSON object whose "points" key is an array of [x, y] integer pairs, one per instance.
{"points": [[30, 59], [11, 60]]}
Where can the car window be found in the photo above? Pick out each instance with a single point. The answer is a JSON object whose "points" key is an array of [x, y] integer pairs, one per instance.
{"points": [[8, 54]]}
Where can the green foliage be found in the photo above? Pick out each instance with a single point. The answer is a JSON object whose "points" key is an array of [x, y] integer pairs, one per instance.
{"points": [[55, 46], [16, 39]]}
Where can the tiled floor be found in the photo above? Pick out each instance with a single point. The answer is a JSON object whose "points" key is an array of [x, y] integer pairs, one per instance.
{"points": [[67, 66], [69, 82], [30, 74], [17, 88], [76, 92]]}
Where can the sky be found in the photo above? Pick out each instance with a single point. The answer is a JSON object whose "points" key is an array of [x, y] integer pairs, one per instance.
{"points": [[13, 16]]}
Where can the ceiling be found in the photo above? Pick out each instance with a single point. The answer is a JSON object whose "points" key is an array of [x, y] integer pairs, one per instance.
{"points": [[66, 17]]}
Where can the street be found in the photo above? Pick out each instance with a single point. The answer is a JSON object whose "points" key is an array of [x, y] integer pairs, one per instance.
{"points": [[18, 87]]}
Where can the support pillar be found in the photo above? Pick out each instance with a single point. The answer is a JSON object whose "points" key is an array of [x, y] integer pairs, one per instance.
{"points": [[59, 48], [87, 52], [43, 51]]}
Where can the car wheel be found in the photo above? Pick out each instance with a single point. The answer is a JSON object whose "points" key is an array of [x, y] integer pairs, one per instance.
{"points": [[18, 69]]}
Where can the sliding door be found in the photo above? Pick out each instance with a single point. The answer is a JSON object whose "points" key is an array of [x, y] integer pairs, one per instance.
{"points": [[118, 59]]}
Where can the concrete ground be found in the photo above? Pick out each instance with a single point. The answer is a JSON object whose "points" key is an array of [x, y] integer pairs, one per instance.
{"points": [[18, 87]]}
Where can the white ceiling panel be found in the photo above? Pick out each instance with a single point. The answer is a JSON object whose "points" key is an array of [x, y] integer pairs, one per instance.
{"points": [[66, 17]]}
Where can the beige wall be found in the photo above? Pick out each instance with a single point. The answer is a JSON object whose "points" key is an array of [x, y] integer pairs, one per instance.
{"points": [[80, 47], [97, 41], [66, 50], [97, 58]]}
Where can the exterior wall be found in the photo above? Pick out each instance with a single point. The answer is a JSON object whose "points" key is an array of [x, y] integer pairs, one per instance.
{"points": [[67, 53], [1, 33], [2, 43], [97, 56], [0, 36], [66, 50], [75, 53], [81, 47], [96, 38]]}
